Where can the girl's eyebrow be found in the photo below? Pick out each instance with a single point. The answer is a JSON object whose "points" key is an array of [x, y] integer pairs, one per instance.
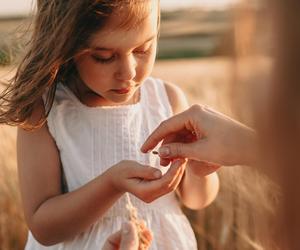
{"points": [[110, 49]]}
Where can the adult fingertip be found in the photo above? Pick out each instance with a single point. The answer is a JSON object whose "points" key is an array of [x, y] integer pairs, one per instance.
{"points": [[142, 149]]}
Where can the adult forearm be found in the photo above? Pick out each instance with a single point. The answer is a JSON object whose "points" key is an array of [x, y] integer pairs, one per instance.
{"points": [[198, 192], [62, 217], [242, 148]]}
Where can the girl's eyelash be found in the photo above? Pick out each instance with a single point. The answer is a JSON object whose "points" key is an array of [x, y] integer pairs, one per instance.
{"points": [[98, 59], [103, 60], [142, 52]]}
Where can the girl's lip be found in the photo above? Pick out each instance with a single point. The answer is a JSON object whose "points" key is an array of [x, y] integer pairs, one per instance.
{"points": [[122, 91]]}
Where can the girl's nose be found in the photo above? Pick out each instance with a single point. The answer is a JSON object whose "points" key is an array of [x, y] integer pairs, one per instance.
{"points": [[126, 69]]}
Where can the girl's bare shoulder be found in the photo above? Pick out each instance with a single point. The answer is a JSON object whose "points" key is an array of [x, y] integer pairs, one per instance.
{"points": [[176, 97], [39, 166]]}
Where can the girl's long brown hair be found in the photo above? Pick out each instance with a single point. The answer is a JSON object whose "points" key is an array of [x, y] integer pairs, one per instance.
{"points": [[61, 30]]}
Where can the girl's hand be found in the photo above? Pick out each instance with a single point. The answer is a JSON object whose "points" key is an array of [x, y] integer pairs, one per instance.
{"points": [[146, 183], [126, 238]]}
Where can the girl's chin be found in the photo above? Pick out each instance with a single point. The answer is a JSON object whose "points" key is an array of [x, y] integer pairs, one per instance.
{"points": [[124, 97], [119, 99]]}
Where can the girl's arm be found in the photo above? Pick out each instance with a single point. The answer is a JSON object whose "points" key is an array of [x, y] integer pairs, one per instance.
{"points": [[54, 217], [196, 190]]}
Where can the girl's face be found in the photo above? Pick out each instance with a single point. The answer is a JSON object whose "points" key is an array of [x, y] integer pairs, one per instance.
{"points": [[118, 61]]}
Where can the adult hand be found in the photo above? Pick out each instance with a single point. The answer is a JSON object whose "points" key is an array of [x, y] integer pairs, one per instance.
{"points": [[126, 238], [202, 134]]}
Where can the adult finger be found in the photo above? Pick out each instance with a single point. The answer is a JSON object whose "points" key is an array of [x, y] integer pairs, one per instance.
{"points": [[181, 150], [167, 127], [184, 136], [169, 139]]}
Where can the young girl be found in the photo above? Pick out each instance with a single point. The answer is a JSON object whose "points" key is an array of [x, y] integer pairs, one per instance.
{"points": [[84, 91]]}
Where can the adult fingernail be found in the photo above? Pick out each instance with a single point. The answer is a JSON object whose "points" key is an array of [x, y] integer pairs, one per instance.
{"points": [[157, 174], [164, 151]]}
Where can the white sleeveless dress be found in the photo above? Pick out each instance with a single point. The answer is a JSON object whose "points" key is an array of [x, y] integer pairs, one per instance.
{"points": [[92, 139]]}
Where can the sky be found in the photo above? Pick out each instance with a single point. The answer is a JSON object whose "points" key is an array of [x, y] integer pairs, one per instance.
{"points": [[21, 7]]}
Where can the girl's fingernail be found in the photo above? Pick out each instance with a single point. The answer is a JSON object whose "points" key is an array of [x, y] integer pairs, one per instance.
{"points": [[157, 174], [164, 151]]}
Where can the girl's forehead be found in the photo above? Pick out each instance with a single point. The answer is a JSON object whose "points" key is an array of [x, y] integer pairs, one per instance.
{"points": [[129, 16], [115, 33]]}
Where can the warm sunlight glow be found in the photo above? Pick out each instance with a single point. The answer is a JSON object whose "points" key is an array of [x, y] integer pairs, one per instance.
{"points": [[22, 7], [207, 4]]}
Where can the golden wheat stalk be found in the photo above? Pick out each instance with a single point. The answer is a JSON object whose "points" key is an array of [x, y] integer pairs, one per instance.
{"points": [[140, 225]]}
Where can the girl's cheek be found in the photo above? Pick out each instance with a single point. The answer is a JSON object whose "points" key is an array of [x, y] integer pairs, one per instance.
{"points": [[142, 73]]}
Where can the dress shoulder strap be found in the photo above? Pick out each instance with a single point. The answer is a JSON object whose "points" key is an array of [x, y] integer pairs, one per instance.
{"points": [[155, 96]]}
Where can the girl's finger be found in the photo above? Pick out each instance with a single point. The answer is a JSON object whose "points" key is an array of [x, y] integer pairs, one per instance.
{"points": [[178, 178], [129, 240], [151, 190], [164, 162], [165, 184], [113, 241], [144, 172], [172, 183]]}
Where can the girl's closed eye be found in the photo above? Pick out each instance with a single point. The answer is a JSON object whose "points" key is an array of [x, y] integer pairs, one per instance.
{"points": [[102, 59], [143, 51], [109, 58]]}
